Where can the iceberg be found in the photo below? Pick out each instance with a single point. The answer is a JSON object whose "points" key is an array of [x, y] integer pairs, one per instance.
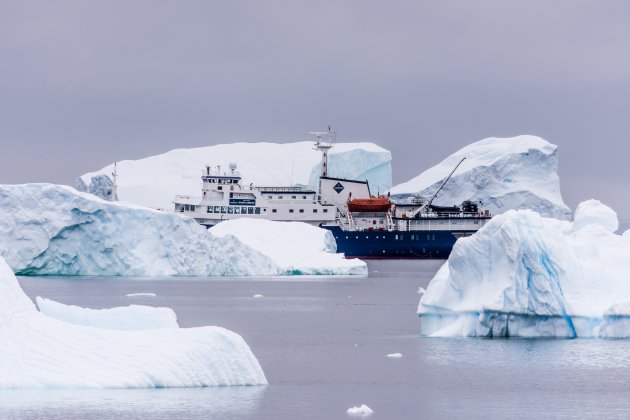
{"points": [[50, 229], [514, 173], [39, 351], [297, 248], [132, 317], [155, 180], [524, 275]]}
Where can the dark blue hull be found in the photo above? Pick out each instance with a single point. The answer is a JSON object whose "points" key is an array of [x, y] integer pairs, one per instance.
{"points": [[423, 244]]}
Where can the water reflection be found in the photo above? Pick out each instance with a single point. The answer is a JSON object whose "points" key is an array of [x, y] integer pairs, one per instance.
{"points": [[171, 403]]}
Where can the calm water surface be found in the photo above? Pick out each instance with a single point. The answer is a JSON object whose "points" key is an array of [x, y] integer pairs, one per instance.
{"points": [[322, 343]]}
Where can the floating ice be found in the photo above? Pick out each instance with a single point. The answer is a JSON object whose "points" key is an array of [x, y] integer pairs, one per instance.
{"points": [[295, 247], [360, 411], [530, 276], [155, 180], [38, 351], [503, 173], [133, 317], [59, 231], [394, 355], [141, 295], [258, 296]]}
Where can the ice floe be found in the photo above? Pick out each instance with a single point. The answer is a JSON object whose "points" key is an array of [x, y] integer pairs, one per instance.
{"points": [[38, 351]]}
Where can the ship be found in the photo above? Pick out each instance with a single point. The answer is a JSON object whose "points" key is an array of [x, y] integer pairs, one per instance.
{"points": [[364, 226]]}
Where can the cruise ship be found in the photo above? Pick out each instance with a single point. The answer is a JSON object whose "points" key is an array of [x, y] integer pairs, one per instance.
{"points": [[364, 226]]}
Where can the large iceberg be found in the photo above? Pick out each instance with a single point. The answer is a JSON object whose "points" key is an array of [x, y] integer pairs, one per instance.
{"points": [[297, 248], [502, 174], [524, 275], [38, 351], [55, 230], [155, 180]]}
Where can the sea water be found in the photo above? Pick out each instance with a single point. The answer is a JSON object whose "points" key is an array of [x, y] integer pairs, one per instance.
{"points": [[323, 344]]}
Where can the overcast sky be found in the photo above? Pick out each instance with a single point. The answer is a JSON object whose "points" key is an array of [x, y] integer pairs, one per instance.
{"points": [[85, 83]]}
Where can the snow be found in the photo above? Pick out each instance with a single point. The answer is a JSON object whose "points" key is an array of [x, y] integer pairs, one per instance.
{"points": [[154, 181], [297, 248], [43, 352], [141, 295], [526, 275], [132, 317], [360, 411], [59, 231], [594, 212], [502, 173], [394, 355]]}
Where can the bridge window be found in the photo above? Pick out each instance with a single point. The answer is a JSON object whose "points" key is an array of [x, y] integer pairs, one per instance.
{"points": [[314, 210], [244, 210], [325, 210], [301, 210], [290, 210], [274, 210], [293, 197], [279, 197], [257, 210], [304, 197], [217, 209], [237, 210], [230, 210], [209, 209], [223, 209], [250, 210]]}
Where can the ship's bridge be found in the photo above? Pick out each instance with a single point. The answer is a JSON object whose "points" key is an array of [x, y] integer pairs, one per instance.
{"points": [[215, 176]]}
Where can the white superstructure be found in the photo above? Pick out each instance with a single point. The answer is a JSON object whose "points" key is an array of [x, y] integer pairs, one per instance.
{"points": [[224, 197]]}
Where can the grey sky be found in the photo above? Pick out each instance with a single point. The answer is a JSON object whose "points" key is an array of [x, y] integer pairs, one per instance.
{"points": [[84, 83]]}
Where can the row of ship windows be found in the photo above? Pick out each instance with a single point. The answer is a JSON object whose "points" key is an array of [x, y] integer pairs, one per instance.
{"points": [[293, 197], [414, 237], [243, 210]]}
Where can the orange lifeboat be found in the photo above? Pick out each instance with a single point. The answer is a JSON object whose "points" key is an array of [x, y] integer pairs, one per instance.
{"points": [[374, 204]]}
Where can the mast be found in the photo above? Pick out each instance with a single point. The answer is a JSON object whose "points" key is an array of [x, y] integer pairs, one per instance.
{"points": [[115, 183], [324, 146]]}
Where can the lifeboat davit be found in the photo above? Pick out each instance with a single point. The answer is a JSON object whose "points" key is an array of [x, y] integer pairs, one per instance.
{"points": [[374, 204]]}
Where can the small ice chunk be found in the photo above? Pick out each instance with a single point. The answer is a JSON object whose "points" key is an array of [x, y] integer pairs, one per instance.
{"points": [[361, 411], [394, 355], [258, 296], [140, 294], [421, 291]]}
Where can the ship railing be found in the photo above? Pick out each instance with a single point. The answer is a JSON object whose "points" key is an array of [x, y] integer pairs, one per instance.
{"points": [[187, 197]]}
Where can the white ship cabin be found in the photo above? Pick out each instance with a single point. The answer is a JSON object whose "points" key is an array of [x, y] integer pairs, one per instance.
{"points": [[224, 198]]}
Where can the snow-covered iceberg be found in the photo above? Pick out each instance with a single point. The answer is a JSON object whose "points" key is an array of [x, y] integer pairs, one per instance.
{"points": [[132, 317], [297, 248], [155, 180], [55, 230], [523, 275], [515, 173], [37, 351]]}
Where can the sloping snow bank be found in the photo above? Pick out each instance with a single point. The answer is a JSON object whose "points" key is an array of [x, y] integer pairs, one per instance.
{"points": [[132, 317], [297, 248], [529, 276], [155, 180], [37, 351], [502, 173]]}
